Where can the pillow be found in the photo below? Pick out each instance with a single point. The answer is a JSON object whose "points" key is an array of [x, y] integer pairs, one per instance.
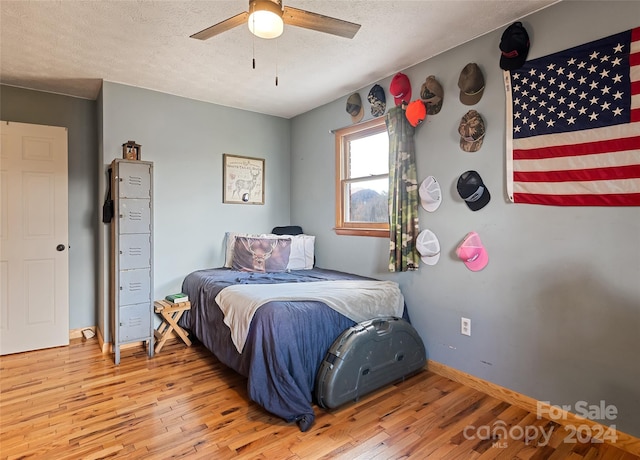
{"points": [[302, 256], [261, 254], [287, 230], [302, 252], [230, 242]]}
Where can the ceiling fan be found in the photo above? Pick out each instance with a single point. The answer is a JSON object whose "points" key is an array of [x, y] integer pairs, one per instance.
{"points": [[266, 19]]}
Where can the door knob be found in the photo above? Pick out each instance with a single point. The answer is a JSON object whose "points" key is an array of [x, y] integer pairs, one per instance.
{"points": [[60, 247]]}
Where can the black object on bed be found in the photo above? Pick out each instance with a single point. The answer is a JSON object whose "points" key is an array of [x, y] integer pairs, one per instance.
{"points": [[287, 230], [286, 341]]}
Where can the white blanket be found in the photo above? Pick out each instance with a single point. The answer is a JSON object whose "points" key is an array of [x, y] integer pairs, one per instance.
{"points": [[359, 300]]}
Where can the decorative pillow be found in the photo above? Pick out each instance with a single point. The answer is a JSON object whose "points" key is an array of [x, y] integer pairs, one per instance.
{"points": [[302, 252], [230, 243], [261, 254], [302, 256]]}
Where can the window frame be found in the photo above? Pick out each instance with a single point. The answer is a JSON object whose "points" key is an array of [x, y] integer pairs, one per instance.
{"points": [[342, 138]]}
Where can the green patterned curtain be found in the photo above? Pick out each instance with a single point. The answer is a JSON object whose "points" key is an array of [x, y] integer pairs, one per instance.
{"points": [[403, 193]]}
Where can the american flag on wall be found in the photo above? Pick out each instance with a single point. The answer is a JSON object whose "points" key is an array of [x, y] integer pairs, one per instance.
{"points": [[573, 125]]}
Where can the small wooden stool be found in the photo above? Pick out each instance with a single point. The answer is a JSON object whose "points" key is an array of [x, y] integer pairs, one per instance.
{"points": [[171, 313]]}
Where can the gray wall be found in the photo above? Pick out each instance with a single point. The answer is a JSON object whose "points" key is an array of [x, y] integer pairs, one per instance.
{"points": [[186, 140], [79, 116], [556, 313]]}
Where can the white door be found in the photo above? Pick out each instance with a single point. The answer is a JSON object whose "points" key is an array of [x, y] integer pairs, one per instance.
{"points": [[34, 295]]}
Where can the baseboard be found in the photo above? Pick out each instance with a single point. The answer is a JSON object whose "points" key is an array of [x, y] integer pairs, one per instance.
{"points": [[107, 347], [624, 441], [104, 346], [94, 334], [77, 333]]}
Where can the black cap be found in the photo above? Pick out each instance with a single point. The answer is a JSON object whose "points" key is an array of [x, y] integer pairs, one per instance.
{"points": [[473, 191], [514, 46]]}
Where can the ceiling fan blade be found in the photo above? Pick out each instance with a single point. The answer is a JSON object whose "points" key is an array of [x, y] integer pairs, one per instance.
{"points": [[314, 21], [222, 26]]}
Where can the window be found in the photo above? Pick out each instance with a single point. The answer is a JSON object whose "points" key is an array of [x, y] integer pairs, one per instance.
{"points": [[362, 179]]}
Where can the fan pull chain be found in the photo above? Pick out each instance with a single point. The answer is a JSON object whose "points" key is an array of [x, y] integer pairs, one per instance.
{"points": [[253, 42], [276, 62]]}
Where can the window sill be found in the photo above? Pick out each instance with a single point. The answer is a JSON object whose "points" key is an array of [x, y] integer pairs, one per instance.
{"points": [[376, 232]]}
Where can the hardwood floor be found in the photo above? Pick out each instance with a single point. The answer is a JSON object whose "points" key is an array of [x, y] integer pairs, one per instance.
{"points": [[73, 402]]}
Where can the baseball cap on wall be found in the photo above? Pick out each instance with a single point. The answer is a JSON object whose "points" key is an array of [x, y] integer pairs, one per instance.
{"points": [[428, 246], [514, 46], [430, 194], [400, 88], [432, 94], [354, 107], [416, 112], [471, 84], [472, 131], [378, 101], [473, 191], [472, 252]]}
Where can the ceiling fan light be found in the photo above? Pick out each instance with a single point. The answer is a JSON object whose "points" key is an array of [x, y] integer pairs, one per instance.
{"points": [[265, 19]]}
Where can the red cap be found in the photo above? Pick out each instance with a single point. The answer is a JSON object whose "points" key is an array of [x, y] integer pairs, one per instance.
{"points": [[400, 88], [416, 112]]}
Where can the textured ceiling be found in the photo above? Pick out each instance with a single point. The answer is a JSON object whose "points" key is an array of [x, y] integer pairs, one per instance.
{"points": [[70, 46]]}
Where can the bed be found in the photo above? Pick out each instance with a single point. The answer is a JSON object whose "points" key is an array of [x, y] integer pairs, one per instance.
{"points": [[285, 341]]}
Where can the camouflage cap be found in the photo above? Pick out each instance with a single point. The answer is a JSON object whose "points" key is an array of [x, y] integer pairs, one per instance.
{"points": [[378, 101], [432, 94], [472, 131]]}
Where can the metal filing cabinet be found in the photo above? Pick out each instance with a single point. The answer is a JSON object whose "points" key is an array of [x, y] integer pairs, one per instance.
{"points": [[132, 254]]}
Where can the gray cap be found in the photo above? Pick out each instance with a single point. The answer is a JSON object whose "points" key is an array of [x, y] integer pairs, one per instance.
{"points": [[354, 107]]}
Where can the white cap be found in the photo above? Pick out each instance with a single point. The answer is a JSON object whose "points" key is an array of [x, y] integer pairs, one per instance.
{"points": [[428, 246], [430, 194]]}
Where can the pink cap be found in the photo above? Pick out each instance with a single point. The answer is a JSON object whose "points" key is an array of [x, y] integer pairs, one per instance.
{"points": [[472, 252], [400, 88]]}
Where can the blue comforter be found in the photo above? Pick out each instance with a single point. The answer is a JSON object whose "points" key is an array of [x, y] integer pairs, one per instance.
{"points": [[286, 344]]}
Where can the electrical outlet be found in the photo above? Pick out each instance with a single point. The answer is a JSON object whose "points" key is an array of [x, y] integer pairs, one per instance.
{"points": [[465, 326]]}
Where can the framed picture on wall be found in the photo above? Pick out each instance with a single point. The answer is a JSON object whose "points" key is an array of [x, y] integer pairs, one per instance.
{"points": [[242, 180]]}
